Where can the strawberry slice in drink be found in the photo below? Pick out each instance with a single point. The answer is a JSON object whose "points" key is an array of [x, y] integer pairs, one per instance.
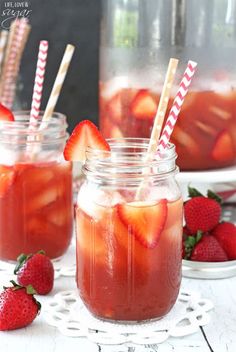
{"points": [[223, 149], [145, 221], [143, 105], [5, 114], [7, 176], [114, 108], [83, 136]]}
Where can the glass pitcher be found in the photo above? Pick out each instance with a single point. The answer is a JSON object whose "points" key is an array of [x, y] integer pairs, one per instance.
{"points": [[137, 39]]}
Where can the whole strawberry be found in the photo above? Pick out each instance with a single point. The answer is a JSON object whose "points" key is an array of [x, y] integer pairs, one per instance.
{"points": [[225, 233], [18, 307], [36, 270], [208, 249], [202, 213]]}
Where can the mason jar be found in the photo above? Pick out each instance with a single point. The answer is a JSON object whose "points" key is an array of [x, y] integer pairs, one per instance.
{"points": [[129, 232], [36, 209], [138, 37]]}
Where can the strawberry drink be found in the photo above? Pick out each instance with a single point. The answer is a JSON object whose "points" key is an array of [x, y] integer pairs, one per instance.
{"points": [[206, 127], [129, 243], [129, 266], [35, 188]]}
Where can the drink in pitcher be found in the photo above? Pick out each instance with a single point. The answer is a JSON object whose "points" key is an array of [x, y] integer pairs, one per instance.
{"points": [[206, 126], [135, 44], [35, 188], [129, 232]]}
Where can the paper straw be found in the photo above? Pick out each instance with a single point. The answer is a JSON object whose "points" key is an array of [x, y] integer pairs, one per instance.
{"points": [[11, 35], [3, 42], [38, 83], [177, 104], [22, 47], [158, 121], [58, 85], [12, 63], [163, 103]]}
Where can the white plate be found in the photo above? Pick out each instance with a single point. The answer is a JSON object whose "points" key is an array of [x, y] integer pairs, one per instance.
{"points": [[219, 180], [206, 270], [227, 174]]}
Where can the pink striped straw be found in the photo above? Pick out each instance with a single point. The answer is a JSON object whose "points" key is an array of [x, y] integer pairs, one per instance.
{"points": [[9, 81], [177, 104], [38, 83]]}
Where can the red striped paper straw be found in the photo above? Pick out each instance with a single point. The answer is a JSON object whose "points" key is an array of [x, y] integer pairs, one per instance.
{"points": [[38, 82], [177, 104], [9, 76]]}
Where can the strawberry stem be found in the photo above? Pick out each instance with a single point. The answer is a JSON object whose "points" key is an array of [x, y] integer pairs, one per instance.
{"points": [[30, 290], [193, 192], [41, 252], [215, 196], [190, 242], [20, 261]]}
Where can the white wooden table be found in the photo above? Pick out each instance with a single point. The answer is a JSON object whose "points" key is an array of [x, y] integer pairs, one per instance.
{"points": [[218, 336]]}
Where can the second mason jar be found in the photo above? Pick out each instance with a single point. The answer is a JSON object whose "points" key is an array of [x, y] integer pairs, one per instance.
{"points": [[36, 210], [129, 232]]}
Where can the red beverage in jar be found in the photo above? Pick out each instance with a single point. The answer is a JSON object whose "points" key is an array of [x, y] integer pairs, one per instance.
{"points": [[35, 209], [206, 127], [119, 277], [129, 233]]}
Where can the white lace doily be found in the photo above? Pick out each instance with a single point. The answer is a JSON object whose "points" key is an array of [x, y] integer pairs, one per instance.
{"points": [[64, 266], [67, 312]]}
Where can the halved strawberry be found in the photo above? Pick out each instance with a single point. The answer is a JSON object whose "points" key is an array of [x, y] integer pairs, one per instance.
{"points": [[144, 221], [84, 135], [143, 106], [7, 176], [223, 149], [5, 114]]}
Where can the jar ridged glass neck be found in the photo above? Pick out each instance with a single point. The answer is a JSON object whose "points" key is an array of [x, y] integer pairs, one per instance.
{"points": [[21, 131], [128, 161], [20, 142]]}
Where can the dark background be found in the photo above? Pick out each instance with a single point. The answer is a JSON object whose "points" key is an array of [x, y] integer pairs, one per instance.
{"points": [[62, 22]]}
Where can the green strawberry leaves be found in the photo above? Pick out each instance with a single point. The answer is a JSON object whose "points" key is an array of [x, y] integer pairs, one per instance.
{"points": [[215, 196], [193, 192], [22, 259], [190, 242]]}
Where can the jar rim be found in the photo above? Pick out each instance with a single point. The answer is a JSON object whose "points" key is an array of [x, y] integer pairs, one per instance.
{"points": [[131, 165], [131, 142], [41, 132]]}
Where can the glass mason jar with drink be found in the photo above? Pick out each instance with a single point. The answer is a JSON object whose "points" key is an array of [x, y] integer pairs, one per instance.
{"points": [[129, 232], [35, 187], [137, 38]]}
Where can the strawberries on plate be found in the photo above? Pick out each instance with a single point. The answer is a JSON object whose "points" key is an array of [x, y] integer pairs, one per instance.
{"points": [[18, 307], [144, 221], [201, 213], [205, 238], [143, 105], [83, 136], [6, 114], [36, 270], [208, 249], [225, 233]]}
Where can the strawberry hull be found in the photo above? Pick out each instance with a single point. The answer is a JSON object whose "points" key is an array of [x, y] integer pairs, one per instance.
{"points": [[121, 278], [206, 127], [31, 204]]}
